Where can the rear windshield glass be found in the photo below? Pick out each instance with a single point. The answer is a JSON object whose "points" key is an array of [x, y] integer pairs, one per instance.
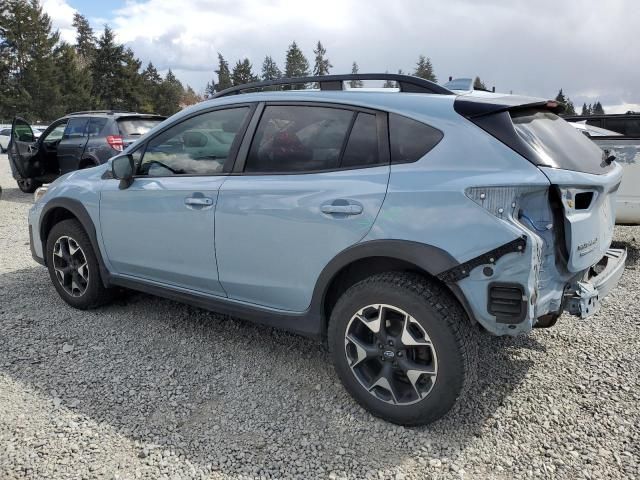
{"points": [[135, 127], [557, 144]]}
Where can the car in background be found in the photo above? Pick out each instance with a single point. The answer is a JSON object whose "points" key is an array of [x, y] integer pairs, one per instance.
{"points": [[626, 124], [626, 151], [5, 135], [76, 141], [38, 130]]}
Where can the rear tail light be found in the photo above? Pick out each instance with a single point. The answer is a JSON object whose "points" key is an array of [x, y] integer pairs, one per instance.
{"points": [[116, 142]]}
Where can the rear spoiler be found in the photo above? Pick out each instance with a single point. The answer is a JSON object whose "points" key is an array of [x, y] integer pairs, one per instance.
{"points": [[470, 106]]}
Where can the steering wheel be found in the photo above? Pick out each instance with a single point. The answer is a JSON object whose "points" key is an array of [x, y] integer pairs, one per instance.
{"points": [[148, 165]]}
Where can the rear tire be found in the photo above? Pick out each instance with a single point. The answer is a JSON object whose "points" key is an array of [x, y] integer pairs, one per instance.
{"points": [[73, 266], [28, 185], [424, 347]]}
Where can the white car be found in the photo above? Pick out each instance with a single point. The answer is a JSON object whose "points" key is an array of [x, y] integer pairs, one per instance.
{"points": [[626, 151], [5, 136]]}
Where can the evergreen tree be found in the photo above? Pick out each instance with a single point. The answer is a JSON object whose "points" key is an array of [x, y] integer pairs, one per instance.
{"points": [[388, 83], [190, 97], [569, 108], [424, 69], [85, 39], [355, 83], [152, 81], [106, 67], [242, 73], [170, 94], [223, 73], [224, 78], [322, 64], [28, 59], [270, 70], [479, 84], [296, 65], [130, 83], [597, 109], [74, 83], [585, 110], [561, 98]]}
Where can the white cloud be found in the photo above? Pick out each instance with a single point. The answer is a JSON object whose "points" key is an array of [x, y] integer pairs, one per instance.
{"points": [[588, 48], [61, 14]]}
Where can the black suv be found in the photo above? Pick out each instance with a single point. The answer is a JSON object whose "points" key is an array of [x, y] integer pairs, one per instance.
{"points": [[78, 140], [627, 124]]}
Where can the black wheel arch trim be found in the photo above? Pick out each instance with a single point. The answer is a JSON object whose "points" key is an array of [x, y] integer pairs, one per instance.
{"points": [[78, 210], [429, 258]]}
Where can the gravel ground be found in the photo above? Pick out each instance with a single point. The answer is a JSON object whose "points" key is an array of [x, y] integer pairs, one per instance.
{"points": [[149, 388]]}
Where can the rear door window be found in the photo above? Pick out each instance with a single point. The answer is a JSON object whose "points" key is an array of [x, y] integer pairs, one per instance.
{"points": [[557, 144], [298, 138], [410, 140], [76, 128], [362, 148]]}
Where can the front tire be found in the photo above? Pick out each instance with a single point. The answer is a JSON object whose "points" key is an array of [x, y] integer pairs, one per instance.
{"points": [[403, 347], [28, 185], [73, 266]]}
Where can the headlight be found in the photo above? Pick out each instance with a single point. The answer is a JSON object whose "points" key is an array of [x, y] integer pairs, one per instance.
{"points": [[39, 193]]}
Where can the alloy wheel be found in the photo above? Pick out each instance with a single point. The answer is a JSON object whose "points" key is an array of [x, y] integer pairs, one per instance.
{"points": [[390, 354], [70, 265]]}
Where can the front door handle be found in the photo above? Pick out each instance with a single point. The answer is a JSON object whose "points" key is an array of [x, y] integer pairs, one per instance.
{"points": [[351, 209], [198, 202]]}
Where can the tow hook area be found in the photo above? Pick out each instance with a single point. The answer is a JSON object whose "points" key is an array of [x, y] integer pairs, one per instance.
{"points": [[585, 300], [601, 278]]}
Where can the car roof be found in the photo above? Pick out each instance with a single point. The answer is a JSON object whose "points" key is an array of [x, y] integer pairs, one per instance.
{"points": [[381, 99], [111, 114]]}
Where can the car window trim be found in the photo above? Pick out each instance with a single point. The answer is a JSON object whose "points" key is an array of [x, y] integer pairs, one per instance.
{"points": [[233, 151], [384, 154]]}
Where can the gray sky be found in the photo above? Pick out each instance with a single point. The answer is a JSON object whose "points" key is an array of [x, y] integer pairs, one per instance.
{"points": [[589, 48]]}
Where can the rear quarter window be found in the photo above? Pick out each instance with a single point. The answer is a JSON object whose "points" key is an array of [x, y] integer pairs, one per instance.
{"points": [[409, 139]]}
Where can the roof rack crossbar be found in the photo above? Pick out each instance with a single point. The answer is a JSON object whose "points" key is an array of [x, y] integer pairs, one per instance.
{"points": [[406, 83]]}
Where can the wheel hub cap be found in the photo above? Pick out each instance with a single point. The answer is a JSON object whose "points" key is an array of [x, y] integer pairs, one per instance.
{"points": [[390, 354], [70, 265]]}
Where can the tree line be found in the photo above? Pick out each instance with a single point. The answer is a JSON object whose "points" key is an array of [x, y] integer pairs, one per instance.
{"points": [[43, 78], [595, 109], [296, 65]]}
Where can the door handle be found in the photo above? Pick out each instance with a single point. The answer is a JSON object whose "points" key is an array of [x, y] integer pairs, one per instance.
{"points": [[351, 209], [203, 202]]}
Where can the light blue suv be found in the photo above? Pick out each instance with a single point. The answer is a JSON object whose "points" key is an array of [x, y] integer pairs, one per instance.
{"points": [[394, 223]]}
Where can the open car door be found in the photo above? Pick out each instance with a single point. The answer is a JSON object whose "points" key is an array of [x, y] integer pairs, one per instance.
{"points": [[24, 155]]}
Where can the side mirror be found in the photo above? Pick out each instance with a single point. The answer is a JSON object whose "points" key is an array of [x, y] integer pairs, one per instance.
{"points": [[122, 168]]}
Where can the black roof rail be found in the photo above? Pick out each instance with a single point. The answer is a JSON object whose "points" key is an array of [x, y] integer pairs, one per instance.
{"points": [[406, 83], [108, 112]]}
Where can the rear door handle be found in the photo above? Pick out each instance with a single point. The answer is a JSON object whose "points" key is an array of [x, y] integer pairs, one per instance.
{"points": [[351, 209]]}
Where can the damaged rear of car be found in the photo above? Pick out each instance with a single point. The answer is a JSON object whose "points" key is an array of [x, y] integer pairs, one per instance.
{"points": [[564, 261]]}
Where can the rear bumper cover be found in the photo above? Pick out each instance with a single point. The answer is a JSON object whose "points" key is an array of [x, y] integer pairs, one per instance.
{"points": [[585, 300]]}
